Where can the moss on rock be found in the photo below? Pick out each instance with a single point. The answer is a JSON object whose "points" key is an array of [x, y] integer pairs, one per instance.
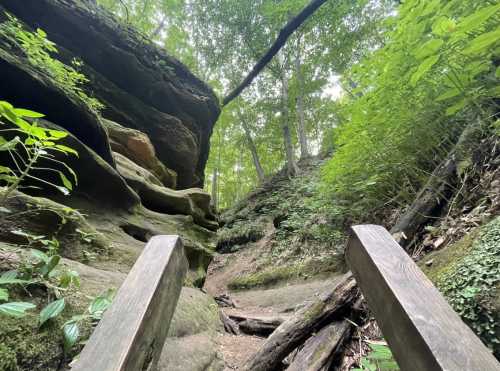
{"points": [[468, 274]]}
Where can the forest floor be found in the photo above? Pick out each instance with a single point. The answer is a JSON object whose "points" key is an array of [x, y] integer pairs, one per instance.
{"points": [[262, 267], [277, 302]]}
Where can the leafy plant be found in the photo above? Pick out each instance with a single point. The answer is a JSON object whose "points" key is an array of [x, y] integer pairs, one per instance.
{"points": [[380, 358], [94, 313], [32, 144], [39, 50], [14, 309], [411, 99]]}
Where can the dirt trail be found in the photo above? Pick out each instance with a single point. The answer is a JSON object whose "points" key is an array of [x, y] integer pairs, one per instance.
{"points": [[274, 302]]}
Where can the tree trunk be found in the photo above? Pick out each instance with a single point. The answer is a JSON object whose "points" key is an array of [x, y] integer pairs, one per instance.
{"points": [[295, 331], [301, 130], [433, 197], [215, 200], [320, 349], [253, 150], [287, 138]]}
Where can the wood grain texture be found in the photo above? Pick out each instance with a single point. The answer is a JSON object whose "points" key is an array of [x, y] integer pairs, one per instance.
{"points": [[292, 333], [423, 331], [319, 350], [131, 334]]}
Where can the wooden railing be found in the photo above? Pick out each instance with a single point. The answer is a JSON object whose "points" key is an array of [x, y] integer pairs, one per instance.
{"points": [[132, 332], [422, 330]]}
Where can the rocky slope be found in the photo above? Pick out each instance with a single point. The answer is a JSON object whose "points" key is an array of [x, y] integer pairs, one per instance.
{"points": [[148, 137]]}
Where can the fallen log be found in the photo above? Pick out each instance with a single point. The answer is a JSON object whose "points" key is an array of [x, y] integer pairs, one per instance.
{"points": [[230, 326], [319, 350], [295, 331], [434, 195], [257, 326]]}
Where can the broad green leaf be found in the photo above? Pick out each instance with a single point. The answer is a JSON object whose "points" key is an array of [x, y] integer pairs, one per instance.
{"points": [[450, 93], [429, 48], [456, 107], [5, 170], [10, 145], [52, 310], [4, 294], [65, 181], [16, 309], [66, 149], [27, 113], [11, 281], [480, 43], [443, 26], [57, 134], [99, 306], [71, 333], [50, 265], [39, 255], [497, 72], [477, 18], [424, 67], [9, 274], [41, 33]]}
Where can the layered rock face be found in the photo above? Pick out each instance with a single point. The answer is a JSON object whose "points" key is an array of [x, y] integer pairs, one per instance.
{"points": [[141, 86], [140, 164]]}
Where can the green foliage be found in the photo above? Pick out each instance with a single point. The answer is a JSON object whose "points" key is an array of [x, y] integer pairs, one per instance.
{"points": [[94, 313], [470, 285], [411, 98], [39, 50], [28, 145], [239, 233], [380, 358]]}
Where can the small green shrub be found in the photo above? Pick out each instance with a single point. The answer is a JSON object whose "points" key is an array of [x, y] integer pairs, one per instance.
{"points": [[379, 359], [239, 233], [470, 285]]}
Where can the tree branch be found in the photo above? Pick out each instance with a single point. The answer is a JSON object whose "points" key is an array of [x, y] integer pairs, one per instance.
{"points": [[283, 36]]}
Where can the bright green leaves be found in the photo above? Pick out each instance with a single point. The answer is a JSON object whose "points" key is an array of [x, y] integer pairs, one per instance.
{"points": [[423, 68], [450, 93], [16, 309], [52, 310], [477, 18], [483, 42], [429, 48], [443, 26], [71, 332], [4, 294], [38, 143]]}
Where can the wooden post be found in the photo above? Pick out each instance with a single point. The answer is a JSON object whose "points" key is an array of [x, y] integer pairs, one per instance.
{"points": [[131, 334], [423, 331]]}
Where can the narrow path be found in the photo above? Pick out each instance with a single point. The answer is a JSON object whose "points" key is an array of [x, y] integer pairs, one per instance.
{"points": [[279, 302]]}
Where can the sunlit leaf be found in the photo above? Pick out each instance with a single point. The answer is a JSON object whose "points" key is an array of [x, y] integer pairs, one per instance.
{"points": [[52, 310], [27, 113], [16, 309], [424, 67]]}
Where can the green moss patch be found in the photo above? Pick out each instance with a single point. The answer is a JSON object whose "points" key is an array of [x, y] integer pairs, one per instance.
{"points": [[274, 276], [468, 274]]}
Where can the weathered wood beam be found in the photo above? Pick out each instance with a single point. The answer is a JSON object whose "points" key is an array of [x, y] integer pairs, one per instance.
{"points": [[131, 334], [423, 331]]}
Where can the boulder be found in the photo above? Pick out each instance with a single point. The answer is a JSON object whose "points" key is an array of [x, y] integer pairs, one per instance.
{"points": [[137, 147], [191, 344], [140, 85]]}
